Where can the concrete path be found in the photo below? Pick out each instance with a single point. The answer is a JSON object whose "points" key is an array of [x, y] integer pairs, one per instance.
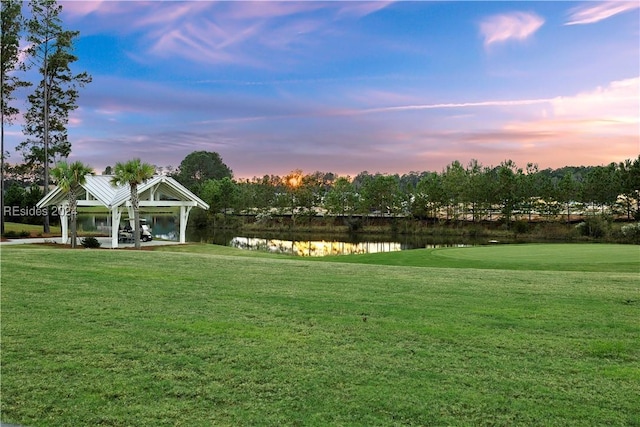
{"points": [[105, 242]]}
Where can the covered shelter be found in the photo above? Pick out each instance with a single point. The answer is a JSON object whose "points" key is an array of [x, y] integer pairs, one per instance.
{"points": [[160, 194]]}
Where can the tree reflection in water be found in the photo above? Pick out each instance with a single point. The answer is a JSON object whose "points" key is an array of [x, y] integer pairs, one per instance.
{"points": [[313, 247]]}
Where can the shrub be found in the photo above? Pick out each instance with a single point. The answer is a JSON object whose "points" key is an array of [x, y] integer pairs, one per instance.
{"points": [[631, 232], [12, 234], [476, 231], [354, 224], [90, 242], [199, 218], [520, 227], [594, 226]]}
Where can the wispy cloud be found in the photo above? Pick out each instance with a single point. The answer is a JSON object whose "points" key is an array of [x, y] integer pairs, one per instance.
{"points": [[515, 25], [82, 8], [230, 32], [615, 103], [592, 13], [504, 103], [361, 8], [204, 42], [249, 10], [592, 127], [618, 101]]}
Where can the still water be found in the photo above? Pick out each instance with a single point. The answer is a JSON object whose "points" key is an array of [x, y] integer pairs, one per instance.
{"points": [[319, 245]]}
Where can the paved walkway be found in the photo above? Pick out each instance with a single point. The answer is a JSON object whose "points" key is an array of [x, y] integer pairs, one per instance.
{"points": [[105, 242]]}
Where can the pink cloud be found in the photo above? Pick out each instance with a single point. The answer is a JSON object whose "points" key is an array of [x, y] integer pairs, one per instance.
{"points": [[616, 102], [82, 8], [191, 43], [361, 8], [590, 14], [173, 13], [456, 105], [516, 25], [602, 124], [229, 32], [245, 10], [77, 10]]}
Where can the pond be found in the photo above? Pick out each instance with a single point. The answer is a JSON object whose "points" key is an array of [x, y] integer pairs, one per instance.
{"points": [[315, 245]]}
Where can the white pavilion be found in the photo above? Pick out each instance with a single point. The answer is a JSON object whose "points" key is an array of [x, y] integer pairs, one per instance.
{"points": [[160, 194]]}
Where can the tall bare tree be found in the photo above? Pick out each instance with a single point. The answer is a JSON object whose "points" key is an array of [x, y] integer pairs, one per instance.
{"points": [[55, 96]]}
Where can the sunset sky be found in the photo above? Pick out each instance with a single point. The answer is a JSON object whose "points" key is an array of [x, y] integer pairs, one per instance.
{"points": [[346, 87]]}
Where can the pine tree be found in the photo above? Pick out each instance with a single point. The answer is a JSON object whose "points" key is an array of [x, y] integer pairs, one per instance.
{"points": [[12, 23], [55, 96]]}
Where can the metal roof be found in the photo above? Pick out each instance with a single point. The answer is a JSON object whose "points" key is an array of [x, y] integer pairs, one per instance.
{"points": [[100, 188]]}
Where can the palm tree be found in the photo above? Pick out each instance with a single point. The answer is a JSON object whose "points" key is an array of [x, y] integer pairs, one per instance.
{"points": [[134, 173], [69, 178]]}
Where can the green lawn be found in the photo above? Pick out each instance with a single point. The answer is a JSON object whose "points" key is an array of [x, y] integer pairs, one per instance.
{"points": [[554, 257], [199, 335], [35, 230]]}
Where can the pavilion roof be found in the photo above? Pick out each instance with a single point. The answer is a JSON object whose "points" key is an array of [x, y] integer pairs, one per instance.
{"points": [[99, 187]]}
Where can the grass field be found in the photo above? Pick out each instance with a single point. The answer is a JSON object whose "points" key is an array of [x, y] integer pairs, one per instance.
{"points": [[551, 257], [199, 335], [35, 230]]}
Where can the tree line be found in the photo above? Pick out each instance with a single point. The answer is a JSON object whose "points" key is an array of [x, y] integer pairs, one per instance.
{"points": [[470, 193], [458, 193]]}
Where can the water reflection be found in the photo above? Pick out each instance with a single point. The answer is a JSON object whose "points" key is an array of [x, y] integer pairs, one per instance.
{"points": [[323, 244], [313, 248]]}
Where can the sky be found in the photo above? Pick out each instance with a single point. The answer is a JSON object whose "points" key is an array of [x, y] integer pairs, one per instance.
{"points": [[346, 87]]}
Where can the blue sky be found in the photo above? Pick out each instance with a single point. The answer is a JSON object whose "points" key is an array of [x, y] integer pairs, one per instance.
{"points": [[345, 87]]}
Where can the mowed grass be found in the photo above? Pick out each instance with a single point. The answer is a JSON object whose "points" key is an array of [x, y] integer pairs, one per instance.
{"points": [[551, 257], [35, 230], [199, 335]]}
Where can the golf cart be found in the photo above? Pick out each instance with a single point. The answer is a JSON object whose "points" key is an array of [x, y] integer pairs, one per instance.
{"points": [[125, 235]]}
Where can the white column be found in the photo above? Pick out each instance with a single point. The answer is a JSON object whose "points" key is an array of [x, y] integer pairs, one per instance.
{"points": [[115, 223], [184, 218], [132, 221], [64, 223]]}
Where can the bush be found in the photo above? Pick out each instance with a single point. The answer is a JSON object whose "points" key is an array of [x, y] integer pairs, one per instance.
{"points": [[90, 242], [520, 227], [199, 218], [595, 226], [354, 224], [631, 232], [476, 231], [12, 234]]}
